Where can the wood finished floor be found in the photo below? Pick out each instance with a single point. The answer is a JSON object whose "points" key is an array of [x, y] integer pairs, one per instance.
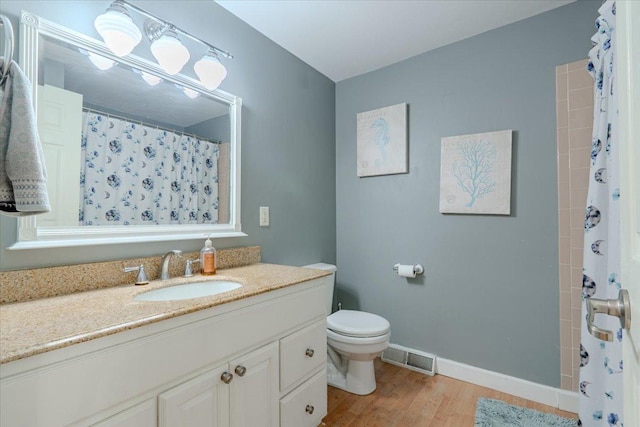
{"points": [[406, 398]]}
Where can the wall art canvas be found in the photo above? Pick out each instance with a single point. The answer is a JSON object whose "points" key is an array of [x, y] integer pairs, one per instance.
{"points": [[382, 141], [475, 173]]}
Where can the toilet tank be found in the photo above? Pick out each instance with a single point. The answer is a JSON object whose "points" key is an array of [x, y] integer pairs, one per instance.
{"points": [[330, 285]]}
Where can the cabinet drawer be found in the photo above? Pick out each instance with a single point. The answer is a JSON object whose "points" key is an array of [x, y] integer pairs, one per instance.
{"points": [[301, 353], [306, 405]]}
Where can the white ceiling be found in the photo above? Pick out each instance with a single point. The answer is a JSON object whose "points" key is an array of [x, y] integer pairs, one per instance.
{"points": [[346, 38]]}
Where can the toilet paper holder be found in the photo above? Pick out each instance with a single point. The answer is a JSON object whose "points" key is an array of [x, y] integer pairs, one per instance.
{"points": [[417, 268]]}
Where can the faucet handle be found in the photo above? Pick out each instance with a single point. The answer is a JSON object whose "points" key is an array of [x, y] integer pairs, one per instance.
{"points": [[142, 275], [188, 271]]}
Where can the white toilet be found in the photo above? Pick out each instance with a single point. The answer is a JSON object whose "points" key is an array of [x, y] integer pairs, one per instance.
{"points": [[354, 340]]}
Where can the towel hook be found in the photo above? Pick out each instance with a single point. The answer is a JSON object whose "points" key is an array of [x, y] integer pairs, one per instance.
{"points": [[8, 46]]}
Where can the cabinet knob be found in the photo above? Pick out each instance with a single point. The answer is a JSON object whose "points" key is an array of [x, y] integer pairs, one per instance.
{"points": [[309, 352], [241, 370], [309, 409], [226, 377]]}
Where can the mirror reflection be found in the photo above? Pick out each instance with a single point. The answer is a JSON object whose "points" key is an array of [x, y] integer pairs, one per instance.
{"points": [[124, 147]]}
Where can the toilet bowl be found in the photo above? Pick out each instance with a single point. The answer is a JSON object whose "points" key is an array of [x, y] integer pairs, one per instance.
{"points": [[354, 340]]}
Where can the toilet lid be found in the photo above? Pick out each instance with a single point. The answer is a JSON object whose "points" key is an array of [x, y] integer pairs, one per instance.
{"points": [[357, 323]]}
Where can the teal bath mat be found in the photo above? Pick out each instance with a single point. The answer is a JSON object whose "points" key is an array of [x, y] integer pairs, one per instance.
{"points": [[494, 413]]}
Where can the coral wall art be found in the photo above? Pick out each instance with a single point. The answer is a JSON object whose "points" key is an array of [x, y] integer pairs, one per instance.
{"points": [[475, 173], [381, 137]]}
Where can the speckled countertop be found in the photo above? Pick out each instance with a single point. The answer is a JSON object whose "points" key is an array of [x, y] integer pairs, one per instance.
{"points": [[34, 327]]}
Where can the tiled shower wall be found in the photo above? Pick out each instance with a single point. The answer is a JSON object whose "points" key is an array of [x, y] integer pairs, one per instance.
{"points": [[574, 109]]}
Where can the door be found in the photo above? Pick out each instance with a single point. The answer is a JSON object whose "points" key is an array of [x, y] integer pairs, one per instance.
{"points": [[60, 128], [628, 45], [202, 401], [255, 389]]}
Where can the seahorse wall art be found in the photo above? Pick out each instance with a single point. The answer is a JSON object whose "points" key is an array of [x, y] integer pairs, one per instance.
{"points": [[381, 137], [475, 173]]}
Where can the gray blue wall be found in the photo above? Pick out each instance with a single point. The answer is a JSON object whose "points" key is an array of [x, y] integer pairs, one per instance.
{"points": [[218, 128], [288, 139], [489, 296]]}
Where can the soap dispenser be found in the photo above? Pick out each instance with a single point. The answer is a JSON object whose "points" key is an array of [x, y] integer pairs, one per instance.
{"points": [[208, 259]]}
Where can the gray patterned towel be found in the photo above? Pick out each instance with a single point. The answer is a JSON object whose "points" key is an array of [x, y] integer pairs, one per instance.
{"points": [[23, 189]]}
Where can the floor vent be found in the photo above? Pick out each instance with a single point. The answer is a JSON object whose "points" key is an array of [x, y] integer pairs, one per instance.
{"points": [[409, 358]]}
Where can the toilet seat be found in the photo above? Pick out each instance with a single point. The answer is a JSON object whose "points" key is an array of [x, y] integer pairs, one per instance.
{"points": [[357, 324], [361, 342]]}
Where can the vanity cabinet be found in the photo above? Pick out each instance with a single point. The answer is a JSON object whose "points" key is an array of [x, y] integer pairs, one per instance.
{"points": [[171, 373], [242, 393]]}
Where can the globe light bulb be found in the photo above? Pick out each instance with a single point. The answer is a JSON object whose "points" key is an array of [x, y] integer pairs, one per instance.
{"points": [[118, 30], [210, 71], [170, 52]]}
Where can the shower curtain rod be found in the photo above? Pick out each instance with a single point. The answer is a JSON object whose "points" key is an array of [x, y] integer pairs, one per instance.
{"points": [[126, 119]]}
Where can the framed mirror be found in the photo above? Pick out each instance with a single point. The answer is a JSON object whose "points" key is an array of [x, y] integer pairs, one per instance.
{"points": [[132, 153]]}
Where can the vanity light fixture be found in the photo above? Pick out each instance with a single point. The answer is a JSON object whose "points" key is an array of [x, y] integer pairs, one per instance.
{"points": [[210, 71], [117, 29], [100, 61], [166, 47], [191, 93], [120, 33], [150, 79]]}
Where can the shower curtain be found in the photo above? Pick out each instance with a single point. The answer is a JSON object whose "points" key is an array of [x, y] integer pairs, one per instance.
{"points": [[139, 175], [600, 361]]}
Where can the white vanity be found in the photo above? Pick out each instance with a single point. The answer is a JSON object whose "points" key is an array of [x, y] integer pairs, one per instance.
{"points": [[251, 357]]}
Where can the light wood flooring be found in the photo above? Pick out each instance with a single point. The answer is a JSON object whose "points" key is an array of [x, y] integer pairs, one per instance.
{"points": [[405, 398]]}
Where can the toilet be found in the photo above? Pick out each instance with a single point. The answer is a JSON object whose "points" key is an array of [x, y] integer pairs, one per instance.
{"points": [[354, 340]]}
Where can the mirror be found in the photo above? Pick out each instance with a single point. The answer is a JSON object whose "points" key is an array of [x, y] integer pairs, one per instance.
{"points": [[132, 153]]}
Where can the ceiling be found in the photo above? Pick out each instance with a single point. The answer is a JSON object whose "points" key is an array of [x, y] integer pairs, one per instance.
{"points": [[346, 38]]}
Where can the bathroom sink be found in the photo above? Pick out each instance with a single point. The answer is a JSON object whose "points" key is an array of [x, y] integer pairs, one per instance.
{"points": [[189, 290]]}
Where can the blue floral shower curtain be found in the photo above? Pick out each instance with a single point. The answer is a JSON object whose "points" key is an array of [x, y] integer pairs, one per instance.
{"points": [[600, 361], [139, 175]]}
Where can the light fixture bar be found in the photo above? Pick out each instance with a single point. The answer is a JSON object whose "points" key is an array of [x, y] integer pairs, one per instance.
{"points": [[166, 24]]}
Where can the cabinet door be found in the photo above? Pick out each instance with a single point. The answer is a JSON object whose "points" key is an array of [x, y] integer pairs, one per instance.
{"points": [[202, 401], [255, 389], [144, 414]]}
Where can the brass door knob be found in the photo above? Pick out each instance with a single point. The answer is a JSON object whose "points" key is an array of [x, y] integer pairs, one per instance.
{"points": [[309, 352], [309, 409], [241, 370]]}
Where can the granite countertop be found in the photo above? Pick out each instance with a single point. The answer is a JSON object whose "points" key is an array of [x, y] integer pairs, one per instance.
{"points": [[34, 327]]}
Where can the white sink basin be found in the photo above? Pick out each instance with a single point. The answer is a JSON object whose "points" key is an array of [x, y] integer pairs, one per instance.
{"points": [[189, 290]]}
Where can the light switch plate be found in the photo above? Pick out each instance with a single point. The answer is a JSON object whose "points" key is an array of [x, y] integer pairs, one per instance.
{"points": [[264, 216]]}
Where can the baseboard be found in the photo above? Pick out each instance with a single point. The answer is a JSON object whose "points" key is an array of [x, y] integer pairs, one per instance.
{"points": [[568, 400], [561, 399]]}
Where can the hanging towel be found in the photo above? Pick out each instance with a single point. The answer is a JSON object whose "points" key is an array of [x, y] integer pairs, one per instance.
{"points": [[23, 189]]}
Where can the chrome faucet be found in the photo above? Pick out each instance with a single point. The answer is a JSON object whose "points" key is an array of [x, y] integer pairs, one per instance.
{"points": [[164, 274]]}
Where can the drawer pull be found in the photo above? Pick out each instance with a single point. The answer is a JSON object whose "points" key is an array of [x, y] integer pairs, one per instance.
{"points": [[241, 370], [309, 409], [226, 377], [309, 353]]}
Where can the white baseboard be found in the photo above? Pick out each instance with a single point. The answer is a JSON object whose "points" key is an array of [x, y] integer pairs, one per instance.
{"points": [[561, 399], [568, 400]]}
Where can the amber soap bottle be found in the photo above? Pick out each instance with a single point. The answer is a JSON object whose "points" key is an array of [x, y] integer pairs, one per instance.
{"points": [[208, 259]]}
